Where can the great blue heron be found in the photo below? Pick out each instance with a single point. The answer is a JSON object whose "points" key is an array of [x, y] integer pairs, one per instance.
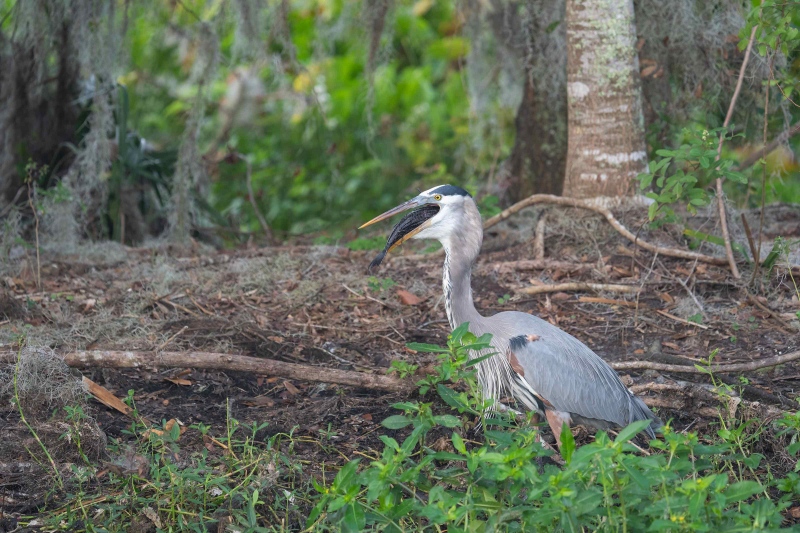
{"points": [[546, 369]]}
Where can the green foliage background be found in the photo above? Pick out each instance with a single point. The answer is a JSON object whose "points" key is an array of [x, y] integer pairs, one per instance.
{"points": [[341, 115], [328, 141]]}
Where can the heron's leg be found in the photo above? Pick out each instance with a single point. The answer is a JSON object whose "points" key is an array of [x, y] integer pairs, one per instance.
{"points": [[556, 420]]}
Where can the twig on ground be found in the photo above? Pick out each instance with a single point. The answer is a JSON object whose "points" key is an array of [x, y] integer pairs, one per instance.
{"points": [[608, 301], [679, 404], [578, 286], [506, 267], [787, 327], [686, 288], [367, 296], [735, 367], [230, 362], [181, 307], [679, 319], [720, 195], [616, 224], [166, 342]]}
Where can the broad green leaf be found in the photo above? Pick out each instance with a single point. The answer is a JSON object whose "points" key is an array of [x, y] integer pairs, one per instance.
{"points": [[567, 443], [742, 490], [354, 519], [628, 432], [396, 422], [422, 347], [458, 443], [448, 421]]}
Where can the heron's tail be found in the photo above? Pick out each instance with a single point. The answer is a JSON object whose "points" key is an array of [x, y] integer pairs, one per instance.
{"points": [[640, 411]]}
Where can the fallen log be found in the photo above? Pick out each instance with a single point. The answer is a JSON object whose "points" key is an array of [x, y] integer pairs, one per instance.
{"points": [[230, 362], [686, 369], [579, 286]]}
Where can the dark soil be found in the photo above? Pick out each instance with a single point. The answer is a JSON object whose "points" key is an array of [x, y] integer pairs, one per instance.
{"points": [[318, 306]]}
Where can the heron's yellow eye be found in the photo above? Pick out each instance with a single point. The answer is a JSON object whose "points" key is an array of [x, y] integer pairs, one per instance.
{"points": [[437, 197]]}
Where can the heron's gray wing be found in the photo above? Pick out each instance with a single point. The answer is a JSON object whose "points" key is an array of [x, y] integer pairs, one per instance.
{"points": [[566, 374]]}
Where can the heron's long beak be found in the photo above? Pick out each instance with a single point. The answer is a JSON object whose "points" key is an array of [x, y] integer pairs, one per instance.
{"points": [[405, 206]]}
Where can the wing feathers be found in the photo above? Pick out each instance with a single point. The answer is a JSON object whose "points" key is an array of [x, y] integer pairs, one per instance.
{"points": [[559, 368]]}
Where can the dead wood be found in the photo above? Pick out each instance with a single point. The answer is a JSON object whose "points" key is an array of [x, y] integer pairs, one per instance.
{"points": [[505, 267], [616, 224], [579, 286], [736, 367], [538, 238], [609, 301], [229, 362], [787, 328]]}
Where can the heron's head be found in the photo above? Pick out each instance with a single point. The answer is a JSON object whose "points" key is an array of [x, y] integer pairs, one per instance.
{"points": [[445, 213]]}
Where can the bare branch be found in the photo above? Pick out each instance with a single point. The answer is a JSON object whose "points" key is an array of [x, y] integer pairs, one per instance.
{"points": [[230, 362], [737, 367], [579, 286], [616, 224]]}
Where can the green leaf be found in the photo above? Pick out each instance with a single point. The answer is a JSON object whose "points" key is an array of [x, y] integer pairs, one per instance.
{"points": [[396, 422], [631, 430], [742, 490], [652, 210], [475, 361], [567, 443], [345, 475], [451, 397], [422, 347], [354, 519], [448, 421], [458, 443], [552, 26]]}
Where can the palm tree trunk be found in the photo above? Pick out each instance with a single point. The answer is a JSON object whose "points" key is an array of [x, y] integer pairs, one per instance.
{"points": [[606, 146]]}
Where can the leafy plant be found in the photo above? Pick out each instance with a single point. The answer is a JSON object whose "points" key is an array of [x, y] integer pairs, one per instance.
{"points": [[684, 174], [506, 483], [376, 284]]}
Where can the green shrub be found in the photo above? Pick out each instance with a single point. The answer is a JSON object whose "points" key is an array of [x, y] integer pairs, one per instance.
{"points": [[506, 482]]}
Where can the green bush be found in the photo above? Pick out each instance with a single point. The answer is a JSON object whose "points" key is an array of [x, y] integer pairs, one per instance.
{"points": [[506, 482]]}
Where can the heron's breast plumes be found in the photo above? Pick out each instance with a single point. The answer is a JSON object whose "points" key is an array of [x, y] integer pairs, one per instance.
{"points": [[405, 229]]}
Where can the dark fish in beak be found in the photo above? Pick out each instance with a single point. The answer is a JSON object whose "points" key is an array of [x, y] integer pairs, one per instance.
{"points": [[409, 225]]}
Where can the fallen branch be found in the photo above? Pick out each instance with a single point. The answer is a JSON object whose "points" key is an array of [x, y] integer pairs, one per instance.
{"points": [[579, 286], [616, 224], [678, 404], [505, 267], [230, 362], [609, 301], [736, 367], [787, 328], [679, 319]]}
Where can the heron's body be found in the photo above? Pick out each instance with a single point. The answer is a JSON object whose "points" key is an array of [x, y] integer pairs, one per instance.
{"points": [[543, 367]]}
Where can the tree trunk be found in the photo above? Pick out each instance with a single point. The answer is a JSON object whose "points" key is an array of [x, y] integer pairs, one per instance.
{"points": [[605, 125], [536, 164]]}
